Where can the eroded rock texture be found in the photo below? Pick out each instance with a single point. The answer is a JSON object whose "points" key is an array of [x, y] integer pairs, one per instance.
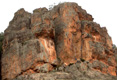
{"points": [[56, 39]]}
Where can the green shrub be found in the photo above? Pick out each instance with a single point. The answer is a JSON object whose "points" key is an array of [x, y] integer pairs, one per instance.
{"points": [[114, 46], [1, 40]]}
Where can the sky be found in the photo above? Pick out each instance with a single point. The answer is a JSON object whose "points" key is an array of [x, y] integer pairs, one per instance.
{"points": [[104, 12]]}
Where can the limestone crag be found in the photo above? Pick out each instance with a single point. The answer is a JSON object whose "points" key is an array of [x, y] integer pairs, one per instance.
{"points": [[57, 44]]}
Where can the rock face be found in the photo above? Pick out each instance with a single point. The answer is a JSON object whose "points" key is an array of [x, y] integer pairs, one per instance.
{"points": [[79, 71], [57, 40]]}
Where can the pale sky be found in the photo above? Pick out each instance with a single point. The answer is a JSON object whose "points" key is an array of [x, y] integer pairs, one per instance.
{"points": [[104, 12]]}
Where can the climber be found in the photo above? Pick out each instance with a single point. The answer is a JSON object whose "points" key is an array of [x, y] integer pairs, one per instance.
{"points": [[78, 61]]}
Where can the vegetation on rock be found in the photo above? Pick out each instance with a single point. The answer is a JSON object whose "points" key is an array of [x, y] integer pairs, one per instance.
{"points": [[1, 40]]}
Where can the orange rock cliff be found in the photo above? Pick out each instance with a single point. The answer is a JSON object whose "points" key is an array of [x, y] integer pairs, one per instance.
{"points": [[54, 41]]}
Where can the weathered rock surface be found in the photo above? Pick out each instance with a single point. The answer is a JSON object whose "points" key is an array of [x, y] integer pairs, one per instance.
{"points": [[77, 71], [84, 71], [25, 48], [46, 76], [64, 39]]}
